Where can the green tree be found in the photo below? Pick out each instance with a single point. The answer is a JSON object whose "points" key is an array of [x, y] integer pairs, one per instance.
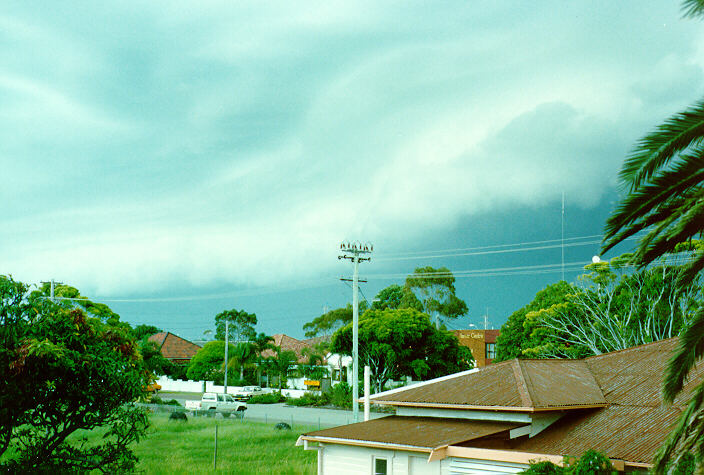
{"points": [[435, 289], [403, 342], [664, 181], [515, 336], [62, 372], [329, 322], [614, 308], [208, 363], [70, 297], [241, 356], [261, 342], [144, 331], [153, 360], [394, 297], [241, 325], [281, 362]]}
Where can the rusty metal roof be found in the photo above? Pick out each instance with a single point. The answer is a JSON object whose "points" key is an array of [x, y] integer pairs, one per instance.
{"points": [[630, 426], [425, 433], [630, 433], [528, 384]]}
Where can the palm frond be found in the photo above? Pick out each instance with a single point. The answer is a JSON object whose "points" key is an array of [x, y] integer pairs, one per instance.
{"points": [[688, 172], [692, 8], [672, 449], [689, 350], [678, 133]]}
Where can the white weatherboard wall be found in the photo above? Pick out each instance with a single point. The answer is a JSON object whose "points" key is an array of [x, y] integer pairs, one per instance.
{"points": [[351, 460], [461, 466]]}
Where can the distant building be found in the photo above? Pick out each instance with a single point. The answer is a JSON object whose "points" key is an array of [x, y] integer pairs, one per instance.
{"points": [[482, 344], [288, 343], [174, 348]]}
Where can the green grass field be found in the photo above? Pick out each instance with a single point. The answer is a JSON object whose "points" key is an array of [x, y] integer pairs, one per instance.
{"points": [[243, 447]]}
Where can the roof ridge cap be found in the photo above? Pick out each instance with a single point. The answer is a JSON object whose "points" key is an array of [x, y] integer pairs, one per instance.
{"points": [[521, 385]]}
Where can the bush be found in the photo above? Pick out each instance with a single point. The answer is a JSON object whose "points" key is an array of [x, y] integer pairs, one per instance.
{"points": [[309, 399], [592, 463], [271, 398], [158, 400], [685, 466], [341, 395], [544, 468]]}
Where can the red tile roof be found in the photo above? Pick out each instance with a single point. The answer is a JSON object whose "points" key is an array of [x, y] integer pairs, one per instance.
{"points": [[174, 348], [288, 343]]}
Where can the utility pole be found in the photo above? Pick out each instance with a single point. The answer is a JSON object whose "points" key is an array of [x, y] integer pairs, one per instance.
{"points": [[53, 285], [227, 343], [352, 252]]}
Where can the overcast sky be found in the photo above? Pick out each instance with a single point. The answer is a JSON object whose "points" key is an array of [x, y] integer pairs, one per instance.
{"points": [[178, 158]]}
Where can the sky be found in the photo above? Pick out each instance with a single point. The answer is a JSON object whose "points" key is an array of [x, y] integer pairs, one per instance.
{"points": [[175, 159]]}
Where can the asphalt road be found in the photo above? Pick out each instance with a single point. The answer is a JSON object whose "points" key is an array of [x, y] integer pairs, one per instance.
{"points": [[310, 416]]}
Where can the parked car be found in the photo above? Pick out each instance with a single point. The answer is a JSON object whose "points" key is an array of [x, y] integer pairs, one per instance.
{"points": [[246, 393], [213, 403]]}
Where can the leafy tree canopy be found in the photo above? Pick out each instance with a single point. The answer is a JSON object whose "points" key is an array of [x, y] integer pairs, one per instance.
{"points": [[208, 363], [403, 342], [70, 297], [435, 289], [328, 322], [144, 331], [63, 371], [514, 336], [241, 325], [394, 297], [153, 360]]}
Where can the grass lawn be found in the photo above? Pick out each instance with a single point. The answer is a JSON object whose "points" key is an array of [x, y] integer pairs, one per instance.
{"points": [[243, 447]]}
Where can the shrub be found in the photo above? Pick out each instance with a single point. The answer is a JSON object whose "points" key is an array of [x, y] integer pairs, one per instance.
{"points": [[685, 466], [341, 395], [544, 468], [309, 399], [271, 398], [592, 463]]}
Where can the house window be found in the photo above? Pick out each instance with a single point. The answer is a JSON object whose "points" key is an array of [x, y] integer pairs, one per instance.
{"points": [[490, 350], [380, 466]]}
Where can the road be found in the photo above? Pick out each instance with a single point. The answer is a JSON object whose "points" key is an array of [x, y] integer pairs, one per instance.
{"points": [[282, 413]]}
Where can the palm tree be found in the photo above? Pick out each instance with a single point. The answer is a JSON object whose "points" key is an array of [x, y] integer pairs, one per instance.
{"points": [[664, 178], [261, 343], [281, 362], [242, 355]]}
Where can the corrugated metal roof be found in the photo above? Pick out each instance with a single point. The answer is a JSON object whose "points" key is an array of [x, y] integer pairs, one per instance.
{"points": [[631, 427], [621, 432], [538, 384], [424, 432]]}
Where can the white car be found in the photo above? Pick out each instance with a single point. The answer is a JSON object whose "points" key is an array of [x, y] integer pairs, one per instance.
{"points": [[213, 403], [246, 393]]}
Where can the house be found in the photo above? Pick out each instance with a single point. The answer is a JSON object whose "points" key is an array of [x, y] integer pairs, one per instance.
{"points": [[500, 418], [174, 348], [287, 343], [482, 344]]}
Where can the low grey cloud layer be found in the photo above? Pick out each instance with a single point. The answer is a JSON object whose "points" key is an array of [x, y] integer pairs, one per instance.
{"points": [[212, 142]]}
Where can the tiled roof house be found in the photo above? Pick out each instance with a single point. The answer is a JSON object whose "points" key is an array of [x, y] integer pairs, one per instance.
{"points": [[498, 419], [292, 344], [174, 348]]}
